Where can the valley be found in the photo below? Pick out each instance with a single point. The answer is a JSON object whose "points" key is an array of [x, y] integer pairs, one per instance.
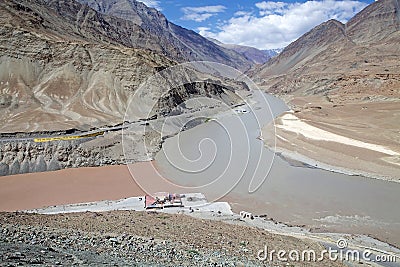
{"points": [[340, 80], [106, 101]]}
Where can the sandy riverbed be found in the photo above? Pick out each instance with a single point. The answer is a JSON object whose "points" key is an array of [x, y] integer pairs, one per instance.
{"points": [[359, 138]]}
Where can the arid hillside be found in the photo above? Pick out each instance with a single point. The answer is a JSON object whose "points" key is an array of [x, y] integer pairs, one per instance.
{"points": [[359, 60], [165, 37], [63, 65], [342, 82]]}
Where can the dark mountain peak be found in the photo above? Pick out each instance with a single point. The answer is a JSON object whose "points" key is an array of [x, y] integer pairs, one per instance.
{"points": [[334, 22], [114, 6]]}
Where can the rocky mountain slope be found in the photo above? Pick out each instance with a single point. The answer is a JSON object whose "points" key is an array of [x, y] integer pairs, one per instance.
{"points": [[166, 37], [342, 82], [344, 62], [63, 65]]}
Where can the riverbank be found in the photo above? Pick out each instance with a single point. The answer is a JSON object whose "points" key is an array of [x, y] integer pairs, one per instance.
{"points": [[299, 196], [121, 232], [352, 139]]}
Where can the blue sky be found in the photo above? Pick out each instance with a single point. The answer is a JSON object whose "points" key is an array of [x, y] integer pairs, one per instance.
{"points": [[257, 23]]}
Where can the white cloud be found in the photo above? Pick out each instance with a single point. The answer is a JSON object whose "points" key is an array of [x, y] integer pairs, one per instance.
{"points": [[201, 13], [241, 13], [152, 3], [268, 8], [278, 24], [199, 17]]}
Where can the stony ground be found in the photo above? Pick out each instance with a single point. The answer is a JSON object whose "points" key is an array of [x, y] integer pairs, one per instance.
{"points": [[124, 238]]}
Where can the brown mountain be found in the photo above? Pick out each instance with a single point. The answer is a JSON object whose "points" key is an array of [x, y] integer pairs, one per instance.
{"points": [[166, 37], [342, 82], [64, 65], [342, 61]]}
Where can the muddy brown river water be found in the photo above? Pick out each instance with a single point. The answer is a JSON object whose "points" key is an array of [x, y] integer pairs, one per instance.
{"points": [[224, 159]]}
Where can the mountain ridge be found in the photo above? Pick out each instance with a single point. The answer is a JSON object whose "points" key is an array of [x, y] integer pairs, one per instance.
{"points": [[63, 65], [333, 56], [342, 82], [191, 45]]}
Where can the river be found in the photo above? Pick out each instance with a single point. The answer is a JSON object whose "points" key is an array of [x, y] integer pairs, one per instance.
{"points": [[224, 160]]}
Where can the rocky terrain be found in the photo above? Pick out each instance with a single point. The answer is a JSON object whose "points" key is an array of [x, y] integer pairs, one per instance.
{"points": [[21, 153], [343, 79], [342, 62], [137, 239], [25, 157], [63, 65], [166, 37]]}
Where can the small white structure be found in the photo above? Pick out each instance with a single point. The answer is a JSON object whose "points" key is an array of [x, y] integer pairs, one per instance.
{"points": [[245, 214]]}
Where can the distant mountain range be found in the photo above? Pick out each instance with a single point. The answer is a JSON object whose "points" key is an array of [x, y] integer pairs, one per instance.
{"points": [[272, 52], [252, 54], [360, 58]]}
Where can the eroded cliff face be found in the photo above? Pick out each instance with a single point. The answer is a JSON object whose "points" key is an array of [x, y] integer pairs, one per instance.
{"points": [[25, 157], [56, 96], [130, 142]]}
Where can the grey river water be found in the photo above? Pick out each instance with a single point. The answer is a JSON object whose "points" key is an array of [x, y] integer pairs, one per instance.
{"points": [[224, 160]]}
